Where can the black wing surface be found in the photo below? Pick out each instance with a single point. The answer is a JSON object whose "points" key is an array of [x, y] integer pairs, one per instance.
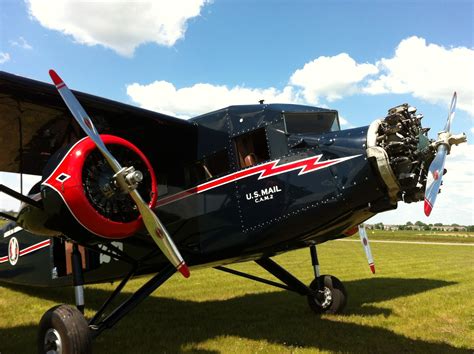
{"points": [[35, 123]]}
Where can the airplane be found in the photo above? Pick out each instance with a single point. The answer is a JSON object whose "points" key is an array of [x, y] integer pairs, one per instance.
{"points": [[127, 192]]}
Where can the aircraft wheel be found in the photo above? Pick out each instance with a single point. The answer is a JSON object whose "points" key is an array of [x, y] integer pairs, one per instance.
{"points": [[64, 330], [333, 297]]}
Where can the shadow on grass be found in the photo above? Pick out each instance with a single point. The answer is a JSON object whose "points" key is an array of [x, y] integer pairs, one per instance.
{"points": [[283, 318]]}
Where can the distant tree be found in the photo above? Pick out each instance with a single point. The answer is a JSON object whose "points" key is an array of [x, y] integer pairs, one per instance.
{"points": [[419, 223], [378, 226], [409, 223], [438, 224], [454, 225], [426, 228], [470, 228], [455, 229], [402, 227]]}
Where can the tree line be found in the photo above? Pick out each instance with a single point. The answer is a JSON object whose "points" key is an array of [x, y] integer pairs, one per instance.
{"points": [[419, 225]]}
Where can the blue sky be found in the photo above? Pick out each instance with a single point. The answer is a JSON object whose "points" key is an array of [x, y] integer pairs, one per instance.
{"points": [[187, 57]]}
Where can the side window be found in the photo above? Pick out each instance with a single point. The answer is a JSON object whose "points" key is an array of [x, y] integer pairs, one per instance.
{"points": [[217, 164], [277, 140], [252, 148], [207, 168]]}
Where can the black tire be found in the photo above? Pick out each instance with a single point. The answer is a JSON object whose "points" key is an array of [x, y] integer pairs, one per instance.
{"points": [[64, 325], [321, 304]]}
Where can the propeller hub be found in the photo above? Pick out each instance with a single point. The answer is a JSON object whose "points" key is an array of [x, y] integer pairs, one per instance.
{"points": [[128, 179], [135, 177]]}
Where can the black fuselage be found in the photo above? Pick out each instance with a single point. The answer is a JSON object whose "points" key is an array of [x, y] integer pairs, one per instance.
{"points": [[266, 179]]}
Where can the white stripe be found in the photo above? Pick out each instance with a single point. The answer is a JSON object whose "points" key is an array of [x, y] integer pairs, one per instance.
{"points": [[35, 247], [12, 231], [418, 242]]}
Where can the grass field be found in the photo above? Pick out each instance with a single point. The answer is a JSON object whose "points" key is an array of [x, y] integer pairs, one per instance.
{"points": [[420, 300]]}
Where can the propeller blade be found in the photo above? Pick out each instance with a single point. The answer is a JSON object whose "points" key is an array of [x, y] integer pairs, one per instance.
{"points": [[153, 225], [434, 178], [160, 235], [83, 119], [365, 242], [436, 169], [452, 111]]}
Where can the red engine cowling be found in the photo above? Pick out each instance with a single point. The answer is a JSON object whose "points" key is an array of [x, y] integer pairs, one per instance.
{"points": [[83, 179]]}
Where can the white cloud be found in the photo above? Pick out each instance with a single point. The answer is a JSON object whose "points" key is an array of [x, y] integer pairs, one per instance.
{"points": [[331, 77], [4, 57], [22, 43], [345, 124], [164, 97], [187, 102], [343, 120], [121, 25], [427, 71]]}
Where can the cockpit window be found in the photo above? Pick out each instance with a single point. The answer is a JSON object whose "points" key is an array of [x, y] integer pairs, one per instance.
{"points": [[252, 148], [312, 122]]}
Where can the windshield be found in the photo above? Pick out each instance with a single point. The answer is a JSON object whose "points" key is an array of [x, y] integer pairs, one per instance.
{"points": [[312, 122]]}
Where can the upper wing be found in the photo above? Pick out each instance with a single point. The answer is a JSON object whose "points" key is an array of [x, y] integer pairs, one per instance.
{"points": [[35, 123]]}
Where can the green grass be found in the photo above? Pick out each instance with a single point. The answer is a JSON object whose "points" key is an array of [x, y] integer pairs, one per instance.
{"points": [[419, 301]]}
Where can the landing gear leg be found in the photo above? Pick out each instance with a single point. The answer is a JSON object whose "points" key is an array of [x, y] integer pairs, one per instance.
{"points": [[63, 328], [325, 294], [315, 262], [78, 277], [330, 295]]}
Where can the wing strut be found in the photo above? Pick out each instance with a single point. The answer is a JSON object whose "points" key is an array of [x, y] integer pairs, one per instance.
{"points": [[20, 197]]}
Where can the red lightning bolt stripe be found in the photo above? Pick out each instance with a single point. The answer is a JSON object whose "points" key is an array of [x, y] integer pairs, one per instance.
{"points": [[272, 168]]}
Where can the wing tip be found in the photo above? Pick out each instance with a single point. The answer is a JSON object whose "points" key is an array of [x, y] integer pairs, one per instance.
{"points": [[55, 77]]}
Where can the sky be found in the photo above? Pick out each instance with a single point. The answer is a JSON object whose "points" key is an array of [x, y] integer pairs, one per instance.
{"points": [[187, 57]]}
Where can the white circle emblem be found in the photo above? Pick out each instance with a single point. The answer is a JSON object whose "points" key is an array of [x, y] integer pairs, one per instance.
{"points": [[13, 251]]}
